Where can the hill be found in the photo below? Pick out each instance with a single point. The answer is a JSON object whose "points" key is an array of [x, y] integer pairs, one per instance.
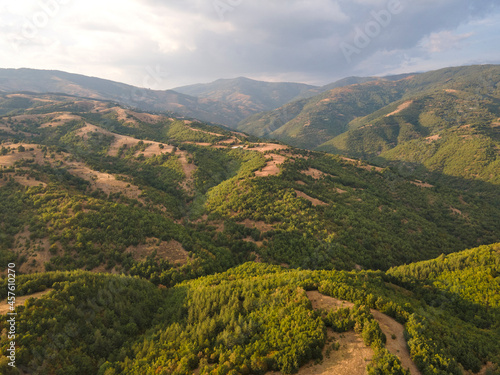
{"points": [[156, 244], [258, 318], [250, 95], [308, 123], [195, 190], [52, 81], [451, 114]]}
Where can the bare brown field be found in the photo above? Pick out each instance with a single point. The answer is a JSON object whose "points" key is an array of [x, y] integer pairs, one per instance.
{"points": [[271, 168], [400, 108], [314, 201]]}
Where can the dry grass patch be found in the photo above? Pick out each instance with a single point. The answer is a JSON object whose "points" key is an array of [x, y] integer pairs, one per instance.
{"points": [[264, 147], [23, 180], [271, 168], [397, 346], [400, 108], [315, 173], [422, 184], [359, 164], [36, 154], [433, 138], [104, 181], [188, 169], [60, 119], [389, 327], [314, 201], [169, 250], [260, 225]]}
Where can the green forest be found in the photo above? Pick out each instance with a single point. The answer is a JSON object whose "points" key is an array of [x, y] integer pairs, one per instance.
{"points": [[170, 246], [256, 318]]}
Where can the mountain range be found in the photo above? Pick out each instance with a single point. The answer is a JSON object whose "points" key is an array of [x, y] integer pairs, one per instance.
{"points": [[147, 242]]}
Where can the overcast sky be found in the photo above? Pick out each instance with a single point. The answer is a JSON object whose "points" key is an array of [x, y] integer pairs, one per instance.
{"points": [[162, 44]]}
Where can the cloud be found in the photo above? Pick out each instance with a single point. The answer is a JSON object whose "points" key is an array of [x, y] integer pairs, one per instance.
{"points": [[202, 40], [444, 40]]}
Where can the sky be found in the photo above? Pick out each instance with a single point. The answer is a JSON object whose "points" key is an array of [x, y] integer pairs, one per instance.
{"points": [[162, 44]]}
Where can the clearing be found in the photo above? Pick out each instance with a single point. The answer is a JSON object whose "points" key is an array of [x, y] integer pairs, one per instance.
{"points": [[314, 201], [388, 325], [271, 168], [400, 108], [188, 169], [169, 250], [315, 173]]}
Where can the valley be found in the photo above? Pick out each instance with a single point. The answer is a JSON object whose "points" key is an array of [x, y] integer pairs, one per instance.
{"points": [[153, 243]]}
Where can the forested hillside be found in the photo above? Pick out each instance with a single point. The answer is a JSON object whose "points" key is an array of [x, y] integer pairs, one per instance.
{"points": [[258, 318], [87, 184], [163, 245], [254, 96], [444, 121]]}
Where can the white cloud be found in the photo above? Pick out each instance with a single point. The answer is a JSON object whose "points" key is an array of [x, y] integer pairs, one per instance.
{"points": [[444, 40], [188, 39]]}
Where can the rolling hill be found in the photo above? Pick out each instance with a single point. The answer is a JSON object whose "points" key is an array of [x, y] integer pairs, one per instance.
{"points": [[258, 318], [444, 121], [51, 81], [281, 204], [156, 244], [253, 96]]}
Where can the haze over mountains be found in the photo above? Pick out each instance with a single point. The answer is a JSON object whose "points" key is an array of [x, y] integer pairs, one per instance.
{"points": [[225, 101]]}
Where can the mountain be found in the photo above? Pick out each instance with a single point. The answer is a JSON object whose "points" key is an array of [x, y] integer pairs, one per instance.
{"points": [[297, 207], [309, 122], [144, 243], [52, 81], [253, 96], [452, 114]]}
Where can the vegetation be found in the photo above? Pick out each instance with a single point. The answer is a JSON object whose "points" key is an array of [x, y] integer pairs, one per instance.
{"points": [[180, 213], [445, 121], [251, 319]]}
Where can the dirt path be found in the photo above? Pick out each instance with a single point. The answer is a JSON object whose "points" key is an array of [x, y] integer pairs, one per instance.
{"points": [[5, 308], [188, 169], [353, 355], [388, 325], [398, 345]]}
